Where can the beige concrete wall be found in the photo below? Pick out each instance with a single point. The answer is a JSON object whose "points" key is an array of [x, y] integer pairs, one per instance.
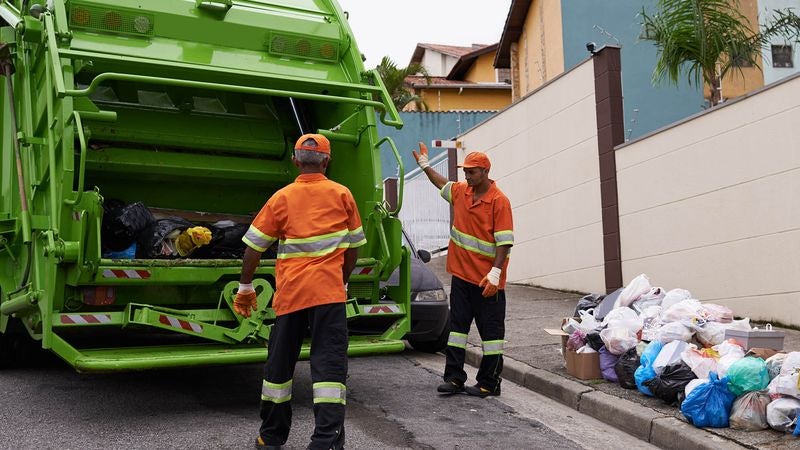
{"points": [[544, 157], [711, 205]]}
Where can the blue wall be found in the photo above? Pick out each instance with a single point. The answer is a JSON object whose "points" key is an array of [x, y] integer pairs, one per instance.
{"points": [[658, 105], [425, 127]]}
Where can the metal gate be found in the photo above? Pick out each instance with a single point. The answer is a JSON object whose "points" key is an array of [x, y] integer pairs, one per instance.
{"points": [[425, 214]]}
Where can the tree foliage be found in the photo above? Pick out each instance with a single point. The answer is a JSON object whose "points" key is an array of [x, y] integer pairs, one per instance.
{"points": [[709, 38], [394, 79]]}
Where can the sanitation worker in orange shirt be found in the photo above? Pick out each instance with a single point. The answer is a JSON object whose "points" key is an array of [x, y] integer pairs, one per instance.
{"points": [[317, 226], [477, 257]]}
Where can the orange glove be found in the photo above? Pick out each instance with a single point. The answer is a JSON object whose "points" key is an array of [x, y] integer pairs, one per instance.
{"points": [[422, 156], [490, 282], [245, 300]]}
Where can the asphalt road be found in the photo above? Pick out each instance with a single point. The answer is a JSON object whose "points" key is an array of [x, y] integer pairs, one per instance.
{"points": [[391, 404]]}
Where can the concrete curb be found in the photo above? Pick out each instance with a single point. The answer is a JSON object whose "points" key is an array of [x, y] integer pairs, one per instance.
{"points": [[644, 423]]}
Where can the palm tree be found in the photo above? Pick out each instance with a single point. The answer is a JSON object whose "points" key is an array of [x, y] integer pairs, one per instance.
{"points": [[709, 38], [394, 79]]}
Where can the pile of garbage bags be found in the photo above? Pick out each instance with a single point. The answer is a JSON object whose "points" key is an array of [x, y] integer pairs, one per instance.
{"points": [[669, 345], [131, 231]]}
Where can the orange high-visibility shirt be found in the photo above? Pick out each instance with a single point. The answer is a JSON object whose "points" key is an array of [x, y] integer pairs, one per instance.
{"points": [[478, 229], [314, 221]]}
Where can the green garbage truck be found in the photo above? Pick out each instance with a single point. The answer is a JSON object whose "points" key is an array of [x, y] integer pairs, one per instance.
{"points": [[188, 111]]}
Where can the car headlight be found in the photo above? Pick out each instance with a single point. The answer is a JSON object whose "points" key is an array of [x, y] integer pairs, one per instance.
{"points": [[429, 296]]}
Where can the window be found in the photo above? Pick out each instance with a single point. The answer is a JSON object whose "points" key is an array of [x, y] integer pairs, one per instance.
{"points": [[782, 56], [741, 61]]}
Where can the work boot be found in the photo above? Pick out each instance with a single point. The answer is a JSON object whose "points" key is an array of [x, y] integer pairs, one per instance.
{"points": [[260, 445], [450, 387], [480, 391]]}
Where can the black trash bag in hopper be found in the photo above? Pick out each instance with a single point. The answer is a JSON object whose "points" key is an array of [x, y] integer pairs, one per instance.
{"points": [[226, 242], [123, 223], [151, 243], [671, 383], [626, 366], [587, 302]]}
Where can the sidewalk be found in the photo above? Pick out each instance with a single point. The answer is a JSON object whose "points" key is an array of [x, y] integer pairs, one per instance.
{"points": [[533, 360]]}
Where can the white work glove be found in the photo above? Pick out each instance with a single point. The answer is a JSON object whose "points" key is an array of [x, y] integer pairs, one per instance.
{"points": [[245, 288], [490, 282], [245, 300], [422, 156]]}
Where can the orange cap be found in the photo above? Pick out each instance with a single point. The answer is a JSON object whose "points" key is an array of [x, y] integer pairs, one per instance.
{"points": [[476, 159], [323, 144]]}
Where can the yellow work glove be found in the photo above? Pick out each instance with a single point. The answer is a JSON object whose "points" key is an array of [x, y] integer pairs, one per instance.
{"points": [[192, 238], [245, 300], [490, 282], [422, 156]]}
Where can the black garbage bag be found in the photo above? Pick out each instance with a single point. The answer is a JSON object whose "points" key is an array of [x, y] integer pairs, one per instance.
{"points": [[626, 366], [588, 302], [123, 223], [669, 386], [226, 241], [594, 341], [151, 243]]}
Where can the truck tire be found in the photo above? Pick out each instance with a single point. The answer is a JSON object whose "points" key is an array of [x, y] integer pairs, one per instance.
{"points": [[434, 346]]}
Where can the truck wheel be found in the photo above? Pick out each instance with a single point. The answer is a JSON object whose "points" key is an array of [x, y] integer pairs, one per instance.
{"points": [[434, 346]]}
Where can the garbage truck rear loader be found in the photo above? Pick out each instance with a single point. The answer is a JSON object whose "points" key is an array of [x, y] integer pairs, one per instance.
{"points": [[186, 111]]}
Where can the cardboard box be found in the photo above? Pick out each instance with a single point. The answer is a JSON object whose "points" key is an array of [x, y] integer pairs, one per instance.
{"points": [[583, 366], [766, 338]]}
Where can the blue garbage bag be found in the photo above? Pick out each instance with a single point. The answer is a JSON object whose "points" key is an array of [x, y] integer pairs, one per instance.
{"points": [[645, 371], [709, 405]]}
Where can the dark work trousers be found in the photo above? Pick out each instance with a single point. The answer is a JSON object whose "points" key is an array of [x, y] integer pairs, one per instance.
{"points": [[467, 303], [328, 368]]}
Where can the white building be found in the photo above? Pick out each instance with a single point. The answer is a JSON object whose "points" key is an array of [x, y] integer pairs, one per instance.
{"points": [[781, 58]]}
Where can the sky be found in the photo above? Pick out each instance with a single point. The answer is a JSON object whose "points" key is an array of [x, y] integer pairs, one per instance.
{"points": [[384, 28]]}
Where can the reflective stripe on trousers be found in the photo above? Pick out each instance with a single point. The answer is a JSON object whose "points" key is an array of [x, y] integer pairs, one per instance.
{"points": [[276, 392], [493, 347], [457, 340], [330, 392]]}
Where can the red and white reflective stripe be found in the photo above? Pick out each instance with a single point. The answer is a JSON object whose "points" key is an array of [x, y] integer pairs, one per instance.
{"points": [[80, 319], [363, 270], [178, 323], [127, 273], [380, 309]]}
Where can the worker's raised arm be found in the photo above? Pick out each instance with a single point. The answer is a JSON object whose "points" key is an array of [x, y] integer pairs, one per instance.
{"points": [[422, 160]]}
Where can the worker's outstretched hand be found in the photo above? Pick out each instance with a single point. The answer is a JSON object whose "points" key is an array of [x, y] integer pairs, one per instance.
{"points": [[490, 282], [422, 156], [245, 300]]}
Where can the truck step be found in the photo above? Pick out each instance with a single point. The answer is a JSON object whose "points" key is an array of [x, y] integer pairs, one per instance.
{"points": [[173, 356]]}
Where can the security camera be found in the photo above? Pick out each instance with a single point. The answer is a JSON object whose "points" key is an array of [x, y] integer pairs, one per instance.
{"points": [[590, 46]]}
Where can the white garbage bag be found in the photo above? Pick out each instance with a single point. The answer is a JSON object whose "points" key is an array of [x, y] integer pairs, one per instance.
{"points": [[785, 385], [700, 361], [729, 353], [674, 331], [623, 318], [710, 333], [618, 340], [686, 311], [718, 313], [651, 298], [635, 289], [693, 384], [791, 364], [670, 354], [782, 414], [674, 296]]}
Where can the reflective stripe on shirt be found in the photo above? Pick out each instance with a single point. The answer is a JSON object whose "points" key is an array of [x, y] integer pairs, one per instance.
{"points": [[504, 237], [471, 243], [446, 193], [257, 240]]}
